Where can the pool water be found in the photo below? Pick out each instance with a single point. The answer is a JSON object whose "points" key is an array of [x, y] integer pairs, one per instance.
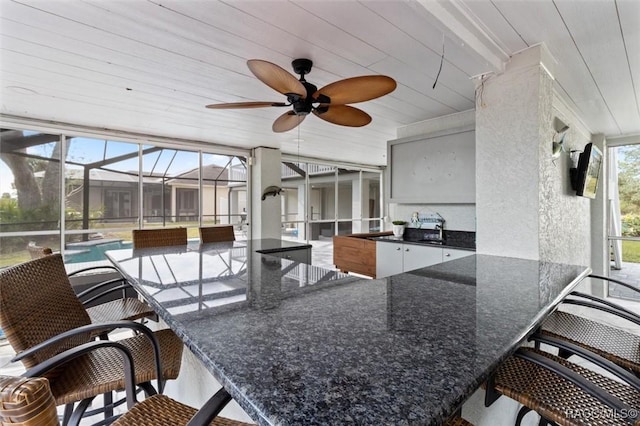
{"points": [[92, 251]]}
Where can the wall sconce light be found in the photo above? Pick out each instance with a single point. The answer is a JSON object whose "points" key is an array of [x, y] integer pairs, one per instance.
{"points": [[557, 144]]}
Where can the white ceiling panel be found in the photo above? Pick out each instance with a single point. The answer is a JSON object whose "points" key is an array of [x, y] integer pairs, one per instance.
{"points": [[495, 23], [406, 17], [151, 66], [629, 14], [600, 48], [542, 17]]}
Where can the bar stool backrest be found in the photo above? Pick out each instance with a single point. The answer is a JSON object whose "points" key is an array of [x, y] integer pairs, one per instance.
{"points": [[37, 302], [215, 234], [147, 238]]}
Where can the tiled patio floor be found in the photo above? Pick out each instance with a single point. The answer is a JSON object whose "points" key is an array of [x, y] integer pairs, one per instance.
{"points": [[630, 273]]}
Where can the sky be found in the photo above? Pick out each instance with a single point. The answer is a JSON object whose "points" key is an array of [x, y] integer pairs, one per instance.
{"points": [[6, 179], [87, 150]]}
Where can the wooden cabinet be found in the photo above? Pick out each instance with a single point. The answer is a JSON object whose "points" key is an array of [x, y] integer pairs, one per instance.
{"points": [[395, 258], [353, 253]]}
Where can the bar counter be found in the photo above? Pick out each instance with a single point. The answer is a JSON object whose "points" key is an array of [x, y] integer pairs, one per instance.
{"points": [[297, 344]]}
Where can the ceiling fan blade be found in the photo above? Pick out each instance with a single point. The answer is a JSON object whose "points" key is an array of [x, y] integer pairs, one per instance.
{"points": [[287, 121], [276, 77], [236, 105], [343, 115], [357, 89]]}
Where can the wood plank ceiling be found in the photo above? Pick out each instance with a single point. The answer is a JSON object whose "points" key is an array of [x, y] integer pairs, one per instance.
{"points": [[150, 66]]}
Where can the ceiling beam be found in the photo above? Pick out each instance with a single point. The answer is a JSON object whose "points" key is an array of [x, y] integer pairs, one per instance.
{"points": [[15, 140], [295, 168], [623, 140], [459, 24]]}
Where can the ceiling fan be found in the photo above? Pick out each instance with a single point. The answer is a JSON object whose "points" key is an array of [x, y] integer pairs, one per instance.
{"points": [[328, 103]]}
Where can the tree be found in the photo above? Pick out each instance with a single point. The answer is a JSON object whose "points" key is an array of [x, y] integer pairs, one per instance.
{"points": [[29, 197], [629, 180], [36, 201]]}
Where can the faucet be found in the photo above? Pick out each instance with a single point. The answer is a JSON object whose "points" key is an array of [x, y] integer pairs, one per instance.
{"points": [[439, 227]]}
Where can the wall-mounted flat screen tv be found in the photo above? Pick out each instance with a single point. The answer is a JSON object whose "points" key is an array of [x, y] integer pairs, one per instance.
{"points": [[588, 172]]}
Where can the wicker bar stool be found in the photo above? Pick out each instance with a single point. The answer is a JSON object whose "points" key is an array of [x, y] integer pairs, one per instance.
{"points": [[148, 238], [43, 319], [456, 421], [614, 344], [34, 405], [162, 410], [564, 393], [27, 402], [216, 234], [123, 308], [36, 251]]}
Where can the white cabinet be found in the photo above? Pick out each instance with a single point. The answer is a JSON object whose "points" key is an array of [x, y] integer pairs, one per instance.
{"points": [[395, 258], [416, 257], [451, 254], [389, 259]]}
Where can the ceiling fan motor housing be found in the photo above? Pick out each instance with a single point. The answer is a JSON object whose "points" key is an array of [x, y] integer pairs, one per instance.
{"points": [[303, 106], [302, 67]]}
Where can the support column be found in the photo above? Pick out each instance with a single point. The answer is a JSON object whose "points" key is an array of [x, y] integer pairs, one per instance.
{"points": [[360, 205], [600, 257], [265, 215], [525, 206], [509, 111], [301, 206]]}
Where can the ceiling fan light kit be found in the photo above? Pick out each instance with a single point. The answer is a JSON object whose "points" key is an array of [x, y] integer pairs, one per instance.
{"points": [[328, 103]]}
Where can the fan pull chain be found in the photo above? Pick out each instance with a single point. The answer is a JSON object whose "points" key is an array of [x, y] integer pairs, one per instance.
{"points": [[298, 139], [441, 61]]}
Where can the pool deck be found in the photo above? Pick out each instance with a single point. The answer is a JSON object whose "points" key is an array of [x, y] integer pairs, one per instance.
{"points": [[629, 273]]}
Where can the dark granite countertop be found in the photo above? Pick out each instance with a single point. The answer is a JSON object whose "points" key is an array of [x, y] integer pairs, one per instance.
{"points": [[404, 350], [274, 245], [462, 240]]}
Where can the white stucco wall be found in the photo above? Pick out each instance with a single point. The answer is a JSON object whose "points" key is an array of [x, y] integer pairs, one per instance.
{"points": [[524, 202], [507, 180]]}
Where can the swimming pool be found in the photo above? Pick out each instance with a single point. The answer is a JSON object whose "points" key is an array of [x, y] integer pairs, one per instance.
{"points": [[92, 251]]}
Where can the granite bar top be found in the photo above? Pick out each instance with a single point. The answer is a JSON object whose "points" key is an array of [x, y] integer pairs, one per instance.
{"points": [[274, 245], [408, 349]]}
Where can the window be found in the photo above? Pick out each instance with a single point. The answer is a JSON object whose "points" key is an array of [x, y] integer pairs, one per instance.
{"points": [[328, 200], [624, 229], [110, 188], [224, 186], [117, 204], [29, 193]]}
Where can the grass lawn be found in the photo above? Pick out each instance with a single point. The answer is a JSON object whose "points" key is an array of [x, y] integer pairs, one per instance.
{"points": [[631, 251], [20, 254]]}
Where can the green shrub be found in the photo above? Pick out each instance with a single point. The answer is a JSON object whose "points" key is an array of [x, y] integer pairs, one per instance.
{"points": [[631, 225], [9, 212]]}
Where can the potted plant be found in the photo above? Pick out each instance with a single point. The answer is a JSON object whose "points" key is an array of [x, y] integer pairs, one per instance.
{"points": [[398, 227]]}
